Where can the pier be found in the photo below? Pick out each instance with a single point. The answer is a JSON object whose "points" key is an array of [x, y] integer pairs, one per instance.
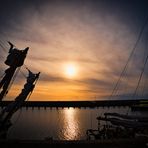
{"points": [[79, 104]]}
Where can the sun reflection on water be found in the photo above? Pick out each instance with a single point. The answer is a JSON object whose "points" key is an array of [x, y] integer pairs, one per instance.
{"points": [[70, 128]]}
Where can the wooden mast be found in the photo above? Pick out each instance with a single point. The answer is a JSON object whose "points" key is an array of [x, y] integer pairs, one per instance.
{"points": [[14, 60], [9, 110]]}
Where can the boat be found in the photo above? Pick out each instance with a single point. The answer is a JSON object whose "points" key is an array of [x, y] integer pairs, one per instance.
{"points": [[115, 125], [141, 106], [14, 60], [139, 118], [119, 126]]}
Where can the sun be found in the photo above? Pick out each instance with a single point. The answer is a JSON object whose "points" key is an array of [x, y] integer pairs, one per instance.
{"points": [[70, 70]]}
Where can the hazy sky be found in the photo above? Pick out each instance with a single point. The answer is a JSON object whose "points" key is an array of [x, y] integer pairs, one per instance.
{"points": [[95, 36]]}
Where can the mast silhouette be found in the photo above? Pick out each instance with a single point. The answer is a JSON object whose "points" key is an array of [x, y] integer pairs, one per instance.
{"points": [[8, 111], [14, 60]]}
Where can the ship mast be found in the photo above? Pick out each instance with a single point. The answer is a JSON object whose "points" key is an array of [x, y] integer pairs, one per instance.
{"points": [[9, 110], [14, 60]]}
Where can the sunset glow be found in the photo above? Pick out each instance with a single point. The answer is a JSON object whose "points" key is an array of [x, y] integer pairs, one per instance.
{"points": [[70, 70], [80, 47]]}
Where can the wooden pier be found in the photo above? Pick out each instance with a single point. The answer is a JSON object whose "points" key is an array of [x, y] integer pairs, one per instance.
{"points": [[91, 104]]}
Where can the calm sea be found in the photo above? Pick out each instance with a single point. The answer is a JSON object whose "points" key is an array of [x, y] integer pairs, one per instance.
{"points": [[61, 123]]}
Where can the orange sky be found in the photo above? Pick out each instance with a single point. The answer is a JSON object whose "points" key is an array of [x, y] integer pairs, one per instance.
{"points": [[92, 36]]}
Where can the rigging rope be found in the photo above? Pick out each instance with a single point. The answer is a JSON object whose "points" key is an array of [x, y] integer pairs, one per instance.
{"points": [[32, 90], [14, 123], [20, 111], [4, 49], [13, 78], [2, 76], [140, 77], [144, 87], [22, 73], [145, 81], [131, 54]]}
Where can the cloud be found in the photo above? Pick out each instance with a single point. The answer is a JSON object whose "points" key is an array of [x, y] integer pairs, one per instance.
{"points": [[96, 35]]}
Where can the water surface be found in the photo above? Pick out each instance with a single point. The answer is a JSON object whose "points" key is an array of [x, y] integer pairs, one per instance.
{"points": [[61, 123]]}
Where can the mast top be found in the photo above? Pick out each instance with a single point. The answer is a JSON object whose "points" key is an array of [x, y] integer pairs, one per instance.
{"points": [[16, 57]]}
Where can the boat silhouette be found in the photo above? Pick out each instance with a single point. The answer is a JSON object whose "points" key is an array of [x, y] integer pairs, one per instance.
{"points": [[116, 125]]}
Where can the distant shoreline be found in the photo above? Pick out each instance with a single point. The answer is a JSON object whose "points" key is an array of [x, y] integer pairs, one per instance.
{"points": [[90, 104]]}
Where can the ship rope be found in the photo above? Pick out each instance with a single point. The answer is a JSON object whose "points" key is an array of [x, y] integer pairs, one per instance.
{"points": [[2, 45], [145, 76], [140, 76], [144, 87], [31, 91], [2, 76], [14, 123], [20, 111], [3, 49], [128, 60], [12, 81]]}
